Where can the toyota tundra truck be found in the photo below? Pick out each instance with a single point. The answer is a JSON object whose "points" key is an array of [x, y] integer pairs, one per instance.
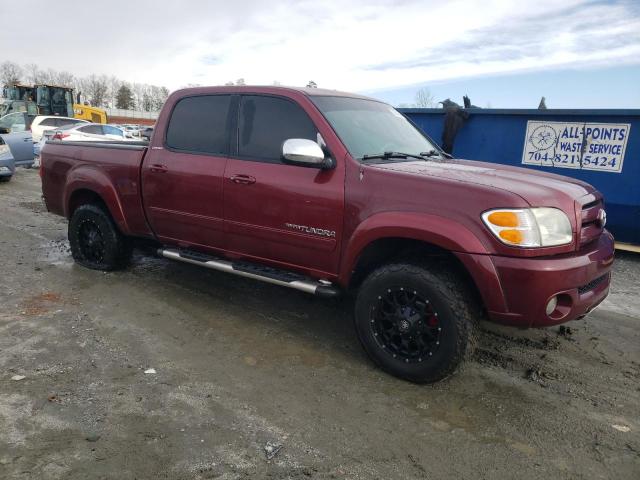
{"points": [[331, 193]]}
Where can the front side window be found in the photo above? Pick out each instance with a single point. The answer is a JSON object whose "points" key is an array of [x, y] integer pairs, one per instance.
{"points": [[109, 130], [266, 122], [14, 121], [367, 127], [200, 124]]}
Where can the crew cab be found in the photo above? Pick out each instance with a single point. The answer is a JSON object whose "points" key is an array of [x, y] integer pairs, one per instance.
{"points": [[331, 193]]}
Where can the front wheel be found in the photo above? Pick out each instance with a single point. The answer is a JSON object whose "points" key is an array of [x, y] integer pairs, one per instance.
{"points": [[95, 240], [417, 323]]}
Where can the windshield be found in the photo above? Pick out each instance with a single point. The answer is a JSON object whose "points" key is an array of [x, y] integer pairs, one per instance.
{"points": [[367, 127]]}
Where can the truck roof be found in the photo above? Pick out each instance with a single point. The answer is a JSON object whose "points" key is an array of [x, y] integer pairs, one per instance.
{"points": [[310, 92]]}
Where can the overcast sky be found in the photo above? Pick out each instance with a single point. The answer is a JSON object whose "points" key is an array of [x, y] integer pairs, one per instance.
{"points": [[372, 46]]}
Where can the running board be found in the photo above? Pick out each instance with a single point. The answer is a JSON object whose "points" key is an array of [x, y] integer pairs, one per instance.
{"points": [[321, 288]]}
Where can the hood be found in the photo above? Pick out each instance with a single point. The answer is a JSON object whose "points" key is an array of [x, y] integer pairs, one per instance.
{"points": [[536, 188]]}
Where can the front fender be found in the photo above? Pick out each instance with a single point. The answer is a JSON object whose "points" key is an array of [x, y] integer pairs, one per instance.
{"points": [[439, 231], [88, 177]]}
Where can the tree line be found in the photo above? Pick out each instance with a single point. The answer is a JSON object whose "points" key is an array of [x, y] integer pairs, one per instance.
{"points": [[104, 91]]}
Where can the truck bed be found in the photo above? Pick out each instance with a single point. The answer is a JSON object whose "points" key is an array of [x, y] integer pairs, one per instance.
{"points": [[110, 169]]}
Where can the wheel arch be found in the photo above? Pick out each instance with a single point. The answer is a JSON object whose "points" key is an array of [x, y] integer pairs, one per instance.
{"points": [[405, 237], [92, 186]]}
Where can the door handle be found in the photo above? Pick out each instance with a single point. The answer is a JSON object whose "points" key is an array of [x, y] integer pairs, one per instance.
{"points": [[243, 179], [156, 168]]}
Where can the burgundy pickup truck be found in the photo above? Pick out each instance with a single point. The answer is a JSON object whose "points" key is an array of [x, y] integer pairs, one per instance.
{"points": [[329, 192]]}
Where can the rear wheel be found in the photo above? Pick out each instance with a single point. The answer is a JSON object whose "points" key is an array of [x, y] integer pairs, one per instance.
{"points": [[417, 323], [95, 241]]}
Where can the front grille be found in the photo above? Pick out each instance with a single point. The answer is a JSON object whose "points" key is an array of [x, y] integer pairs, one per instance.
{"points": [[590, 228], [592, 284]]}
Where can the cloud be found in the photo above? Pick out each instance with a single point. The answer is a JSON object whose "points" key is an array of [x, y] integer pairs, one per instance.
{"points": [[347, 45]]}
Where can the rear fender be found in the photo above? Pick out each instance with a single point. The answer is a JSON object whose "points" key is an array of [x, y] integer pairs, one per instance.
{"points": [[88, 177]]}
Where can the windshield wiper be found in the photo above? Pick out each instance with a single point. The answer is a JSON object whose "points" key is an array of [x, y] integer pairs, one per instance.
{"points": [[387, 155], [435, 153]]}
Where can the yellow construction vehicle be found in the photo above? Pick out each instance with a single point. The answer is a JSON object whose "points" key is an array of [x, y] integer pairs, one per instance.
{"points": [[92, 114]]}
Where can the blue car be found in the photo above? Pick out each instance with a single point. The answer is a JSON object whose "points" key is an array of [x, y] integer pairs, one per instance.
{"points": [[16, 149]]}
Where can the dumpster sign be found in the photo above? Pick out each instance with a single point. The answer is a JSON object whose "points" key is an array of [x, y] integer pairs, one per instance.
{"points": [[578, 145]]}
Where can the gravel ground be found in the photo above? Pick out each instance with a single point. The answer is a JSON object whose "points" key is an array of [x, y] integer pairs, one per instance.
{"points": [[251, 380]]}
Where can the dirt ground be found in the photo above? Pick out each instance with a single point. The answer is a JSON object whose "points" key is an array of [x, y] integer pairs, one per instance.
{"points": [[241, 365]]}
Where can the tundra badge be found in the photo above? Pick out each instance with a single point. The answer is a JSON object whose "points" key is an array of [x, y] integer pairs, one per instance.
{"points": [[317, 231]]}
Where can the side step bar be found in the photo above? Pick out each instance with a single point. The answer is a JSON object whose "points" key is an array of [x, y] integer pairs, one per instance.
{"points": [[322, 288]]}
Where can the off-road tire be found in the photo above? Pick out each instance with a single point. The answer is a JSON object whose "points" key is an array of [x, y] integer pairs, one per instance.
{"points": [[112, 250], [457, 315]]}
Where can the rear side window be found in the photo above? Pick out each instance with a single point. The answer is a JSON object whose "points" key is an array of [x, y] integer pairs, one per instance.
{"points": [[200, 124], [49, 122], [266, 122], [94, 129], [60, 122]]}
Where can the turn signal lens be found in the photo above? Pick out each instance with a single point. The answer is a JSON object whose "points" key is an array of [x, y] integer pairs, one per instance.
{"points": [[512, 236], [529, 227], [503, 219]]}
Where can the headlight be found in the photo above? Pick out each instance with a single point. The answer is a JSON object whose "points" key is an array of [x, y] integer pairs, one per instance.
{"points": [[3, 147], [529, 227]]}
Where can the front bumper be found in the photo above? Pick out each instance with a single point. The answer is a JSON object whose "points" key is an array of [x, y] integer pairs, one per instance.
{"points": [[580, 281]]}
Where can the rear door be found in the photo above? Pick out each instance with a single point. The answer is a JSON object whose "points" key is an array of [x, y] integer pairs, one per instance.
{"points": [[182, 174], [276, 211], [21, 146]]}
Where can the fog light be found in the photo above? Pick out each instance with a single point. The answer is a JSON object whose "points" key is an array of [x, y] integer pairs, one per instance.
{"points": [[551, 306]]}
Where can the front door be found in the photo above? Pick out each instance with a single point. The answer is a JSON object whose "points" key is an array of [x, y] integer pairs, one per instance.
{"points": [[275, 211], [182, 174]]}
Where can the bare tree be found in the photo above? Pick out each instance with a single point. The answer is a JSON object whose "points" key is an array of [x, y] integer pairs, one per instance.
{"points": [[147, 100], [10, 73], [425, 99], [114, 86], [138, 94], [64, 79], [95, 88], [158, 97], [32, 73]]}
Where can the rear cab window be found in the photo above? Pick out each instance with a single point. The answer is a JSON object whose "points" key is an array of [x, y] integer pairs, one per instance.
{"points": [[200, 124]]}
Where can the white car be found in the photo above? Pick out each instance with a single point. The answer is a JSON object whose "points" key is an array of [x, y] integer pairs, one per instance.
{"points": [[133, 130], [85, 132], [43, 123]]}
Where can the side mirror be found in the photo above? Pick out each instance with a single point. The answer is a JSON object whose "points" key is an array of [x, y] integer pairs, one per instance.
{"points": [[305, 153]]}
